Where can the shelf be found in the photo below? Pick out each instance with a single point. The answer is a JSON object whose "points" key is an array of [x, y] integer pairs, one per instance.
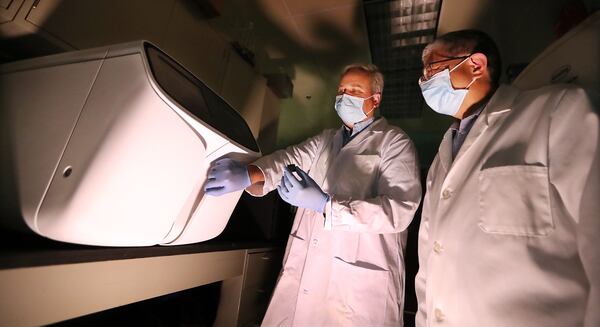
{"points": [[44, 282]]}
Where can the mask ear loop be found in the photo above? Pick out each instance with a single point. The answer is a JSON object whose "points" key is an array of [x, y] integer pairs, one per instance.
{"points": [[460, 63], [469, 85], [372, 95]]}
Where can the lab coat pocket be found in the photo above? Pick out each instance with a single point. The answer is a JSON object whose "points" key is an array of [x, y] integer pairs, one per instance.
{"points": [[357, 294], [515, 200]]}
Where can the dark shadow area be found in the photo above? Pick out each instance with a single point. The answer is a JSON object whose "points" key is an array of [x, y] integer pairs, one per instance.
{"points": [[10, 216], [411, 261], [266, 218], [27, 46], [193, 307]]}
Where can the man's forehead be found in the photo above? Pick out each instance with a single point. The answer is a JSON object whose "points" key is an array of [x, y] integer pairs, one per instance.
{"points": [[427, 51], [434, 50], [353, 83], [439, 50], [356, 78]]}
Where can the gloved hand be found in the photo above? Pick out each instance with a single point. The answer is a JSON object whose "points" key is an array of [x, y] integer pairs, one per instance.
{"points": [[304, 193], [226, 175]]}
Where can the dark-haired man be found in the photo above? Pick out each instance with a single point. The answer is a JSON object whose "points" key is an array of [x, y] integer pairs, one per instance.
{"points": [[511, 219]]}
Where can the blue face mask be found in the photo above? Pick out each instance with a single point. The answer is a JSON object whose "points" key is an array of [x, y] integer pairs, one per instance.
{"points": [[350, 108], [440, 95]]}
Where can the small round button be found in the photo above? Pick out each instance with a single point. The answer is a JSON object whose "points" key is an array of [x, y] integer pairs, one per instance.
{"points": [[439, 315], [437, 247], [67, 171], [446, 194]]}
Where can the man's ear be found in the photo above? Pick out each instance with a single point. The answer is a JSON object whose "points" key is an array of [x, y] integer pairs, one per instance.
{"points": [[377, 99], [478, 63]]}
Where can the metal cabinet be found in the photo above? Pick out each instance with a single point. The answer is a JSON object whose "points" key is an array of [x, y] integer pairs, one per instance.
{"points": [[87, 24], [244, 300], [8, 9], [260, 274], [22, 39]]}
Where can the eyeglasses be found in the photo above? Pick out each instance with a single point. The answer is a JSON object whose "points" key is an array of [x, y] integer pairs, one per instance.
{"points": [[429, 68]]}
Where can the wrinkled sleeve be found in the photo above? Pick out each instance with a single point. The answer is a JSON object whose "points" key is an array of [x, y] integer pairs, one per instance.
{"points": [[301, 155], [398, 195], [424, 249], [574, 168]]}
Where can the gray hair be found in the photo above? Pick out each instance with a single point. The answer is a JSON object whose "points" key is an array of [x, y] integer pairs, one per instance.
{"points": [[374, 73]]}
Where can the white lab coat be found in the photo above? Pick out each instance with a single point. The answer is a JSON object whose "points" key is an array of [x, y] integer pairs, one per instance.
{"points": [[510, 230], [347, 268]]}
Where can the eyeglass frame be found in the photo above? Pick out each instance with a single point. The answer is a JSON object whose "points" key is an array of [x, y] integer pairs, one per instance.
{"points": [[428, 67]]}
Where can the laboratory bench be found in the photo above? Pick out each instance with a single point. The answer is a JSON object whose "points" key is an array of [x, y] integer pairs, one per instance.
{"points": [[44, 282]]}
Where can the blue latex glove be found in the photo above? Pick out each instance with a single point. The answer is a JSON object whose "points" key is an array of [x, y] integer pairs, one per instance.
{"points": [[303, 193], [226, 175]]}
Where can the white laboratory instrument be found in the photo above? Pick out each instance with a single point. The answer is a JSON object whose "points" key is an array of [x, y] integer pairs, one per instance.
{"points": [[111, 146]]}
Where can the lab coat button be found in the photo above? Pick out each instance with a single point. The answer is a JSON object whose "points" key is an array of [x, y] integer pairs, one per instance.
{"points": [[315, 242], [305, 291], [437, 247], [446, 194], [439, 315]]}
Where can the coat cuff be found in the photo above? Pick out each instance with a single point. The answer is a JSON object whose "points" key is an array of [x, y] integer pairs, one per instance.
{"points": [[334, 215], [258, 189], [328, 214]]}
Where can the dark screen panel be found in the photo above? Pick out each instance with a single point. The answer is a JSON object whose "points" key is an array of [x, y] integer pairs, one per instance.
{"points": [[198, 99]]}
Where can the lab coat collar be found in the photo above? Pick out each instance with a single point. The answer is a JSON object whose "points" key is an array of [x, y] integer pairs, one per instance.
{"points": [[498, 106], [358, 127], [374, 128], [500, 103], [338, 140]]}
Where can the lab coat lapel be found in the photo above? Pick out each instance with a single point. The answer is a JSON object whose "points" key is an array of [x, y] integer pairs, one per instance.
{"points": [[332, 154], [327, 157], [336, 144], [478, 129], [445, 151], [496, 110]]}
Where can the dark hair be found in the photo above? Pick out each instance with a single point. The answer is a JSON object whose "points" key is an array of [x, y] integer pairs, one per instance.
{"points": [[473, 41]]}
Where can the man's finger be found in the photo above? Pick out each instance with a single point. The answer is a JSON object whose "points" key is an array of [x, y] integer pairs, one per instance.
{"points": [[215, 191], [213, 183], [303, 174], [212, 173], [287, 183], [283, 185], [282, 194], [291, 178]]}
